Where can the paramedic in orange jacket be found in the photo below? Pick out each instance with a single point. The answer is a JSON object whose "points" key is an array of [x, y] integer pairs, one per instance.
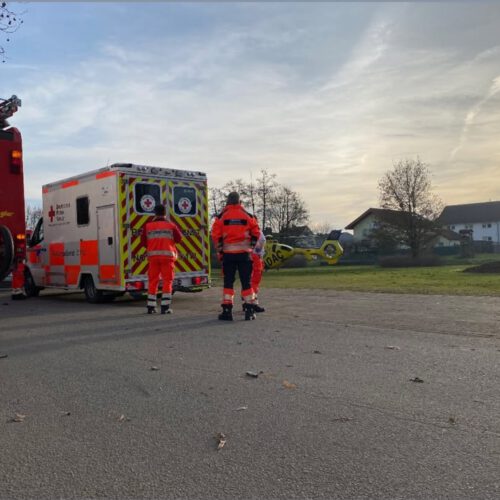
{"points": [[234, 233], [161, 236]]}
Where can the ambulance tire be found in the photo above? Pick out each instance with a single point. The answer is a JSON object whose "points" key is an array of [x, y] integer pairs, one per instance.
{"points": [[137, 295], [92, 294], [6, 252], [30, 288]]}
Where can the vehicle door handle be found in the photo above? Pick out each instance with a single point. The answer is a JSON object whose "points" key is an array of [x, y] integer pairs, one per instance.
{"points": [[110, 240]]}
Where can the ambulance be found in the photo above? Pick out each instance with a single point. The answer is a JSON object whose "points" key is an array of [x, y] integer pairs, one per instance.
{"points": [[89, 237]]}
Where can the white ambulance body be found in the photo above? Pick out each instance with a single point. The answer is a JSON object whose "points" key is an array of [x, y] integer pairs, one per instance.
{"points": [[90, 235]]}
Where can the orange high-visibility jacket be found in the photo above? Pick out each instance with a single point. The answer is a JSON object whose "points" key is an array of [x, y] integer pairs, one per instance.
{"points": [[235, 230], [161, 237]]}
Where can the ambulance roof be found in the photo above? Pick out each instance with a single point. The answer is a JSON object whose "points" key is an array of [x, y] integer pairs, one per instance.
{"points": [[131, 168]]}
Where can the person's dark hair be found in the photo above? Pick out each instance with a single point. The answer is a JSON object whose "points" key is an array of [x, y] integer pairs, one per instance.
{"points": [[233, 198], [160, 210]]}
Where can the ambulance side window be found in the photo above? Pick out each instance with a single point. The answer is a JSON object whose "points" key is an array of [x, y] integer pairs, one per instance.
{"points": [[185, 201], [82, 211], [37, 236], [147, 196]]}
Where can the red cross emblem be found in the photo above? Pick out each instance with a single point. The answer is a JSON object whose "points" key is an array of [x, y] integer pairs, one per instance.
{"points": [[184, 205], [148, 203], [52, 214]]}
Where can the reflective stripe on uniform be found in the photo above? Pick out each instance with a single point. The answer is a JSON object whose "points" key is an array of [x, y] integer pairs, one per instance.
{"points": [[166, 298], [161, 233], [242, 246], [163, 253], [151, 300], [248, 296], [227, 296]]}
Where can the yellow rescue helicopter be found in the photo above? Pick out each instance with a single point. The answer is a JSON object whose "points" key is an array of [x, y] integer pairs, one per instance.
{"points": [[276, 254]]}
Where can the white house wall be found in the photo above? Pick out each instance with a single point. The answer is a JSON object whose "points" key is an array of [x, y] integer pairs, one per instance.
{"points": [[363, 229], [480, 230]]}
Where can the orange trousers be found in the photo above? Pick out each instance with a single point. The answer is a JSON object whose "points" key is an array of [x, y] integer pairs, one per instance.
{"points": [[160, 267], [257, 270]]}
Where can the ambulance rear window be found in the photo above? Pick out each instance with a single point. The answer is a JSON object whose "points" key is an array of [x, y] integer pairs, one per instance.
{"points": [[82, 211], [147, 196], [184, 201]]}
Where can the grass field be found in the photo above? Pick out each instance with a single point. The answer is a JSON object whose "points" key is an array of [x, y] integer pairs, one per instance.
{"points": [[447, 280]]}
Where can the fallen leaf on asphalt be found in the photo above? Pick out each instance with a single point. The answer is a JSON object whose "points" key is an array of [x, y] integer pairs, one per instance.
{"points": [[19, 418], [2, 356], [393, 347], [252, 374], [241, 408], [417, 379], [123, 418], [221, 440], [452, 420], [154, 368], [316, 352], [342, 419], [66, 413], [288, 385]]}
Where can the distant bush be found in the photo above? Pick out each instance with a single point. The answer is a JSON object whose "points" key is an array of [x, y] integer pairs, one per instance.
{"points": [[487, 267], [408, 261]]}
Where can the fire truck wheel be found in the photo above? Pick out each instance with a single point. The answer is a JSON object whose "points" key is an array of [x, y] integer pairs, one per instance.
{"points": [[6, 252], [29, 285]]}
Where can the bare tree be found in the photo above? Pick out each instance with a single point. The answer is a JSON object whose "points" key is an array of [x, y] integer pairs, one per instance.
{"points": [[322, 228], [216, 201], [10, 22], [266, 185], [287, 209], [276, 206], [32, 214], [407, 189]]}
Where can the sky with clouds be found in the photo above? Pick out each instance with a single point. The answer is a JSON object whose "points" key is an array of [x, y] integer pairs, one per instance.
{"points": [[325, 95]]}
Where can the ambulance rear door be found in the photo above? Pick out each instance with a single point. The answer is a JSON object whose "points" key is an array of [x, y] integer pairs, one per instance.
{"points": [[188, 208], [138, 195]]}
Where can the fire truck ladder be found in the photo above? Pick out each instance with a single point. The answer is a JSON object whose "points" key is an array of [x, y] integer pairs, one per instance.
{"points": [[7, 108]]}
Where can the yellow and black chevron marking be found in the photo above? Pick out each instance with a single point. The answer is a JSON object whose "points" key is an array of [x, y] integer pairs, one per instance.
{"points": [[194, 247]]}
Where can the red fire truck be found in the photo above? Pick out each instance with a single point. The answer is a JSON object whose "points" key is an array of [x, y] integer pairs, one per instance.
{"points": [[12, 220]]}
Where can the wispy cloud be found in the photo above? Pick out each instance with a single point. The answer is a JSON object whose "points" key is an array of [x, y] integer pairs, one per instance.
{"points": [[327, 97]]}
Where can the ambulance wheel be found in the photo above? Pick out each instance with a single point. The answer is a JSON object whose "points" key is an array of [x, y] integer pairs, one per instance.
{"points": [[30, 288], [92, 294], [137, 295]]}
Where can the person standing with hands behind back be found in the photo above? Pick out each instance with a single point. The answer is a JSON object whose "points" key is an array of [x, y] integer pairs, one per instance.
{"points": [[160, 237], [234, 233]]}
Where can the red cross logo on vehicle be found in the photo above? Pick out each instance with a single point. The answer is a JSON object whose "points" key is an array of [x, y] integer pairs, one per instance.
{"points": [[185, 205], [147, 203], [52, 214]]}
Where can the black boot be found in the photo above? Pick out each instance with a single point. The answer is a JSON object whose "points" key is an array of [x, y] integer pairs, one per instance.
{"points": [[151, 309], [165, 310], [227, 313], [258, 309], [249, 312]]}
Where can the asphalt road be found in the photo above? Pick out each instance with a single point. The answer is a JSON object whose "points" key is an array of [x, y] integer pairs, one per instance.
{"points": [[334, 412]]}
